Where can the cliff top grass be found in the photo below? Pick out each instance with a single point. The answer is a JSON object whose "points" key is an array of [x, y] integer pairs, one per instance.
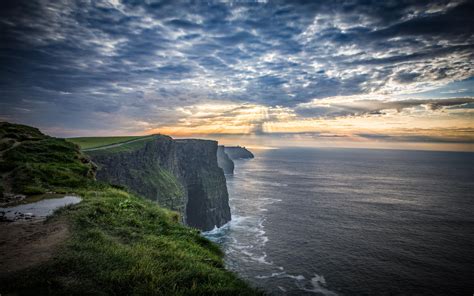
{"points": [[119, 243], [127, 146], [96, 142], [99, 145]]}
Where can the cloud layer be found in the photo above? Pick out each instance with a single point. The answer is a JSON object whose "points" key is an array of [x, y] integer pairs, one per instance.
{"points": [[127, 66]]}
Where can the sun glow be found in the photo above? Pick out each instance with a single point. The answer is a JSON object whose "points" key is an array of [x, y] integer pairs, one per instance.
{"points": [[362, 119]]}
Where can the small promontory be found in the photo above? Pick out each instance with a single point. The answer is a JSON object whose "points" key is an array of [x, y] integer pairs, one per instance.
{"points": [[237, 152]]}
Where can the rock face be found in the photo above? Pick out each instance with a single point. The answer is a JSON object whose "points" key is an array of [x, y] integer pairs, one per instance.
{"points": [[181, 175], [224, 161], [238, 152]]}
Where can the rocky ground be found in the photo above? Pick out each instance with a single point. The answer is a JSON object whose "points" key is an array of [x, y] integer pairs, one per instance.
{"points": [[15, 216]]}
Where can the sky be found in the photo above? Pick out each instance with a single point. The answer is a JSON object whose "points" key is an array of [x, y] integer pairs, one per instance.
{"points": [[359, 73]]}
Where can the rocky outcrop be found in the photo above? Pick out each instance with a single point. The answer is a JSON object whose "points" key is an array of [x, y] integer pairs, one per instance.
{"points": [[181, 175], [237, 152], [224, 161]]}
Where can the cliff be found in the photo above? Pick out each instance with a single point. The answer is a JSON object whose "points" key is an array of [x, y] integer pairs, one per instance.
{"points": [[237, 152], [181, 175], [112, 242], [224, 161]]}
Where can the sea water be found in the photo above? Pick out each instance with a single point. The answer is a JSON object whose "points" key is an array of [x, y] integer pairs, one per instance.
{"points": [[352, 222]]}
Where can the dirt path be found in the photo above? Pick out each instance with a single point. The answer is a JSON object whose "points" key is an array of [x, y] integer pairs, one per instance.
{"points": [[16, 144], [25, 244]]}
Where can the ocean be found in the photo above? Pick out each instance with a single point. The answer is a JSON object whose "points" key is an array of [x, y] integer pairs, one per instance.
{"points": [[352, 222]]}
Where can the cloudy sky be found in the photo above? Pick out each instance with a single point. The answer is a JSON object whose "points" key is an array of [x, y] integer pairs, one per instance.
{"points": [[395, 74]]}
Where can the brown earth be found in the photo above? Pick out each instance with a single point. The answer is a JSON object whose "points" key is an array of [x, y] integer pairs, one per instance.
{"points": [[25, 244]]}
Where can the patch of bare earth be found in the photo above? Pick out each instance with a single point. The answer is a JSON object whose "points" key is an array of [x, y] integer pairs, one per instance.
{"points": [[25, 244]]}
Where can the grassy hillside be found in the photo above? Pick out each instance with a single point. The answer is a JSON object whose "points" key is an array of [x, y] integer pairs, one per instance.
{"points": [[120, 244], [33, 163], [94, 142]]}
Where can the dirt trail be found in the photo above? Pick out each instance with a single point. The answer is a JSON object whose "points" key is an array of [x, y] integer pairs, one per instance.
{"points": [[15, 144], [25, 244]]}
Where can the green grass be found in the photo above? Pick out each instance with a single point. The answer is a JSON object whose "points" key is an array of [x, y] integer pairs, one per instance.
{"points": [[125, 245], [123, 147], [95, 142]]}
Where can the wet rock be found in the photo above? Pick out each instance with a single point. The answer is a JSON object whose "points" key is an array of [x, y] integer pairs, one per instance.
{"points": [[9, 198]]}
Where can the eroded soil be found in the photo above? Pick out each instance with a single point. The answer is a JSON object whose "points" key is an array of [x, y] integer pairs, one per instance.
{"points": [[25, 244]]}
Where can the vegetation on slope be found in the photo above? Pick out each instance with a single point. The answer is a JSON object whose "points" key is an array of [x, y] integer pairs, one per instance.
{"points": [[33, 163], [120, 244], [172, 192]]}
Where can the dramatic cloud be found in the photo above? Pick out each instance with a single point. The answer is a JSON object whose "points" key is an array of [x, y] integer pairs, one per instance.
{"points": [[129, 66], [358, 105]]}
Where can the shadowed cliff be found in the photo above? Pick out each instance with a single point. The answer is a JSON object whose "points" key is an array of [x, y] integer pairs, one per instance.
{"points": [[224, 161]]}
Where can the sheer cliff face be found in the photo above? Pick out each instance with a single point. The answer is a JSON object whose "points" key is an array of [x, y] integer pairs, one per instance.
{"points": [[223, 161], [179, 174], [208, 201]]}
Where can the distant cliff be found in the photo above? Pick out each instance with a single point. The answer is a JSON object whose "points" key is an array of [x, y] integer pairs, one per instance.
{"points": [[182, 175], [238, 152], [224, 161]]}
